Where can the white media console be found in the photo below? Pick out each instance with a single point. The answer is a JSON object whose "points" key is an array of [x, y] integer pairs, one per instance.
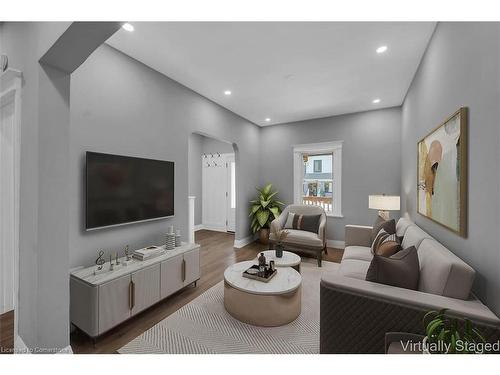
{"points": [[101, 302]]}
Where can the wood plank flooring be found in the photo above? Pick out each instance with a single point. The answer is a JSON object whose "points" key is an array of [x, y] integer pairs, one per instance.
{"points": [[216, 254], [7, 332]]}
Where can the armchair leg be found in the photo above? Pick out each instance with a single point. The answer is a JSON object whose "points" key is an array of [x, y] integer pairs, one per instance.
{"points": [[320, 257]]}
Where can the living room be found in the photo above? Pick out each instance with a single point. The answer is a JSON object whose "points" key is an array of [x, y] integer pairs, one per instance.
{"points": [[339, 126]]}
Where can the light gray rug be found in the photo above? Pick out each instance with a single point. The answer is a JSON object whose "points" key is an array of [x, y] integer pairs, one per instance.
{"points": [[204, 327]]}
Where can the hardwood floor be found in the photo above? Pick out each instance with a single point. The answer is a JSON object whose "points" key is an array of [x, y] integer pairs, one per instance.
{"points": [[216, 254], [7, 332]]}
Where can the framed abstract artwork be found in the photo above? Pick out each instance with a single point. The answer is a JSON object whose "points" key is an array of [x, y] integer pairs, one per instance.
{"points": [[442, 174]]}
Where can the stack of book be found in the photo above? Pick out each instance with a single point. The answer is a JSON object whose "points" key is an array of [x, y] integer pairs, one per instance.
{"points": [[148, 252]]}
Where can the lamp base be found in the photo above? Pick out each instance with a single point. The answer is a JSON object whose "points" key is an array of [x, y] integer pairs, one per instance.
{"points": [[383, 214]]}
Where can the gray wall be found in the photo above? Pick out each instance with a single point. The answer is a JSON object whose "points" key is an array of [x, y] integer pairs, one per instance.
{"points": [[370, 159], [199, 145], [43, 288], [121, 106], [461, 68]]}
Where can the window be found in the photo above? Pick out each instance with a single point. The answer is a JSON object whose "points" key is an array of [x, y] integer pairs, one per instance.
{"points": [[317, 165], [317, 176]]}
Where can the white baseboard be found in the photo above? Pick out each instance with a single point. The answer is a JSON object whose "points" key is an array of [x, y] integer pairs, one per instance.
{"points": [[244, 241], [336, 244], [19, 346], [199, 227], [213, 228]]}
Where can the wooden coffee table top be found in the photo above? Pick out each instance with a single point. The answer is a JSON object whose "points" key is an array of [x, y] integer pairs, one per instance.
{"points": [[285, 281]]}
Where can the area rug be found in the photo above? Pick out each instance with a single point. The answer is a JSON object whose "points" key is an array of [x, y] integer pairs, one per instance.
{"points": [[204, 327]]}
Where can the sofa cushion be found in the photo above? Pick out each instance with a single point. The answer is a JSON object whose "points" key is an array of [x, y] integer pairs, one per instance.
{"points": [[388, 225], [442, 272], [357, 252], [401, 270], [302, 237], [413, 237], [401, 226], [354, 268]]}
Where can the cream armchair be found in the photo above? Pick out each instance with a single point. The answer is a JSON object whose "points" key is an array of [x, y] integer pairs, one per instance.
{"points": [[299, 240]]}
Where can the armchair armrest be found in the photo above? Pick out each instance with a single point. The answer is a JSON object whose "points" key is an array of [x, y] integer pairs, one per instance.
{"points": [[358, 235], [322, 229]]}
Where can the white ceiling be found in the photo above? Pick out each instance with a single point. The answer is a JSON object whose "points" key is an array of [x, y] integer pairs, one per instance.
{"points": [[287, 71]]}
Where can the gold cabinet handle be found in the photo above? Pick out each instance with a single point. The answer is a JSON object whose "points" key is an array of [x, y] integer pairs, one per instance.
{"points": [[183, 270]]}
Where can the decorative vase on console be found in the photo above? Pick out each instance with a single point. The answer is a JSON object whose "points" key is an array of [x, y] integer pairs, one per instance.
{"points": [[280, 236]]}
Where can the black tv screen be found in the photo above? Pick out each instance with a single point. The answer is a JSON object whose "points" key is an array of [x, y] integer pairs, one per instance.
{"points": [[123, 189]]}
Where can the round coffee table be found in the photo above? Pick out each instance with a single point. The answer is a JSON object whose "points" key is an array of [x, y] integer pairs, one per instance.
{"points": [[270, 304], [287, 260]]}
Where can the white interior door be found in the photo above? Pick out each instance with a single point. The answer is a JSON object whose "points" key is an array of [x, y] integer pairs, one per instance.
{"points": [[214, 192], [231, 193], [218, 192]]}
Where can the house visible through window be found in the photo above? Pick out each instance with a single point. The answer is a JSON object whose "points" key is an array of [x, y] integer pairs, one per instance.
{"points": [[317, 183], [317, 165], [317, 173]]}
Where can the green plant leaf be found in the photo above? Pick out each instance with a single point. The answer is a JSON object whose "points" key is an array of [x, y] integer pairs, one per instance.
{"points": [[264, 203], [254, 208], [275, 211], [262, 217], [267, 189]]}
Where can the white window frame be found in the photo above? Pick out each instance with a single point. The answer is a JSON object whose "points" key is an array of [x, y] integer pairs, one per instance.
{"points": [[334, 148]]}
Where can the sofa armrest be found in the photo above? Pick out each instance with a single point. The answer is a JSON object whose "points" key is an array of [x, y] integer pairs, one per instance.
{"points": [[275, 226], [356, 314], [358, 235]]}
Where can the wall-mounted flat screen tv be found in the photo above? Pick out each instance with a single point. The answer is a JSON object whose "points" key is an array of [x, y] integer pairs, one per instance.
{"points": [[123, 189]]}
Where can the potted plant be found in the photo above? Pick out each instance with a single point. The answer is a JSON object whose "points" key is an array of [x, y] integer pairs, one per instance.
{"points": [[445, 335], [263, 211]]}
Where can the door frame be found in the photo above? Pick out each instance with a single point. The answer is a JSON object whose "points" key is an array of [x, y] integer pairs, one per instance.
{"points": [[10, 89], [223, 158], [230, 158]]}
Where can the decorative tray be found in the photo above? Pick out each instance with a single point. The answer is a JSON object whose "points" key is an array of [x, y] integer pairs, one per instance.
{"points": [[253, 273]]}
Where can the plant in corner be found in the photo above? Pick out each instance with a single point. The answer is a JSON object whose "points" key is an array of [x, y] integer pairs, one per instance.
{"points": [[263, 211], [445, 335]]}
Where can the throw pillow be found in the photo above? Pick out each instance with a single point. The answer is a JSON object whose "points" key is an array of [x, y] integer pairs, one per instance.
{"points": [[381, 235], [388, 247], [308, 223], [401, 270], [388, 225]]}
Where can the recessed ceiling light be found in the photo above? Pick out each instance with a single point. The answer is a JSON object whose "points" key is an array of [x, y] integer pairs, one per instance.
{"points": [[227, 92], [268, 119], [127, 26], [375, 101], [381, 49]]}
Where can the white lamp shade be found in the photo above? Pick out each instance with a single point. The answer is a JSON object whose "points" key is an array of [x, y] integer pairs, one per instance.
{"points": [[384, 202]]}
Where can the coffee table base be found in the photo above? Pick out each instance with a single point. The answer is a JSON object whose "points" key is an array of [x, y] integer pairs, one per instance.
{"points": [[265, 310]]}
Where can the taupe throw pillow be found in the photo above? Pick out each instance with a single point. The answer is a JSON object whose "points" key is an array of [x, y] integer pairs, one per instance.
{"points": [[388, 225], [388, 247], [401, 270]]}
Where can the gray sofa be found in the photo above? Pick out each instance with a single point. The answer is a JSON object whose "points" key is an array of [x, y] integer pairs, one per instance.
{"points": [[356, 314], [299, 240]]}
